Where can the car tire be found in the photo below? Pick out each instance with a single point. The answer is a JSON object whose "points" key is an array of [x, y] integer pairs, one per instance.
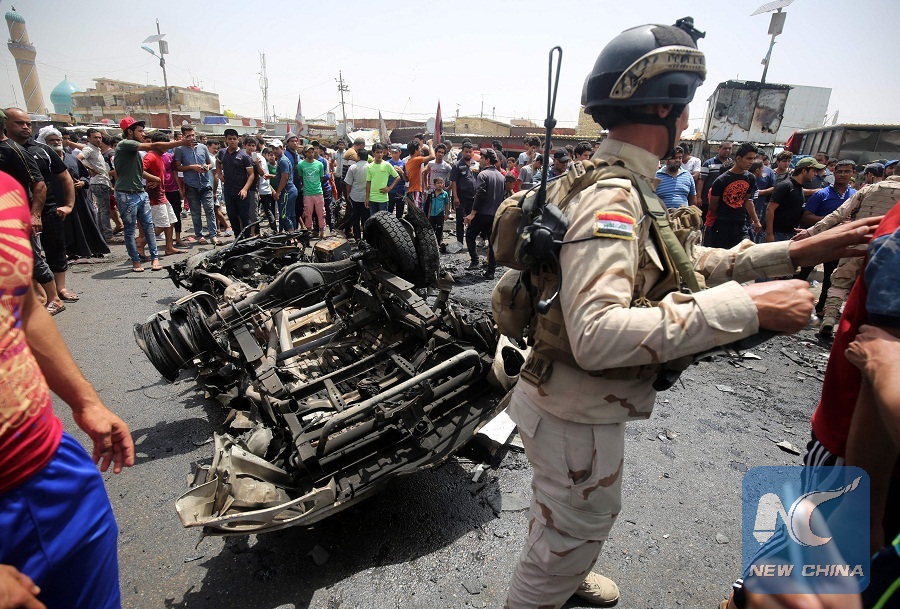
{"points": [[395, 248], [427, 254]]}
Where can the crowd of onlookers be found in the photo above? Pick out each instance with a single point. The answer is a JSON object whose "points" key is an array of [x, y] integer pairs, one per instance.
{"points": [[99, 190]]}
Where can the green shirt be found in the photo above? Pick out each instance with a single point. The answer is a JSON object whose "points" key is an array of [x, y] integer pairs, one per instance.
{"points": [[271, 171], [312, 172], [129, 167], [379, 174]]}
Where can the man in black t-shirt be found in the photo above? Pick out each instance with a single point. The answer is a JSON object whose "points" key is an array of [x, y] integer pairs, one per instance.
{"points": [[58, 203], [730, 202], [785, 207]]}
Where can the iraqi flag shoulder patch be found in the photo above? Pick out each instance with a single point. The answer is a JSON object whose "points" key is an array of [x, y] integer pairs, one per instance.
{"points": [[614, 225]]}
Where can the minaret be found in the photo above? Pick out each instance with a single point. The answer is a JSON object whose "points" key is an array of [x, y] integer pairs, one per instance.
{"points": [[23, 51]]}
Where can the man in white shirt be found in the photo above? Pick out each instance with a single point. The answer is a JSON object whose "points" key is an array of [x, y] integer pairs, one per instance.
{"points": [[91, 158]]}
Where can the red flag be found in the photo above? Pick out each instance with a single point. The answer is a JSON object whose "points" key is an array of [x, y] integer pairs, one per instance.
{"points": [[299, 117], [438, 125]]}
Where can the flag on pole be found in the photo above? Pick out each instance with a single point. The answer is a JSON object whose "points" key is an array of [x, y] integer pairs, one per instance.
{"points": [[382, 130], [438, 125], [299, 116]]}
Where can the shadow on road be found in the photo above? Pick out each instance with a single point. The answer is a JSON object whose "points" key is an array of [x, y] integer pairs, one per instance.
{"points": [[410, 519]]}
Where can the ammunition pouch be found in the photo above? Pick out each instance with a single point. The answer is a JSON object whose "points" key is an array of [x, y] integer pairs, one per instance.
{"points": [[513, 306], [505, 231]]}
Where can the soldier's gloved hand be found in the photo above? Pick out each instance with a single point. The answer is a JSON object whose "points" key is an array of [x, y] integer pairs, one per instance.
{"points": [[782, 306], [834, 243]]}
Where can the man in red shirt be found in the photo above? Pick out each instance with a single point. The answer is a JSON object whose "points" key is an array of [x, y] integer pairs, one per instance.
{"points": [[57, 522], [162, 212]]}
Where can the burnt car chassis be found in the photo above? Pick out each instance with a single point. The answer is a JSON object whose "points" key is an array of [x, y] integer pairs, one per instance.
{"points": [[341, 377]]}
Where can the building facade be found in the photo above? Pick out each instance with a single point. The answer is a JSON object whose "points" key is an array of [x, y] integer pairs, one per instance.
{"points": [[116, 99]]}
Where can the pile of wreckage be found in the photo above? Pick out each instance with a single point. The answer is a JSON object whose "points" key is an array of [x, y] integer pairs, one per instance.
{"points": [[344, 365]]}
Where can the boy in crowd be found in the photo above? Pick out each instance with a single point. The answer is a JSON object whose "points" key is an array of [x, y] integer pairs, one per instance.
{"points": [[397, 194], [377, 175], [267, 188], [437, 168], [439, 210], [313, 173], [417, 158]]}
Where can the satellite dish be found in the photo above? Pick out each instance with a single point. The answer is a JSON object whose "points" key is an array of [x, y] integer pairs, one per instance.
{"points": [[429, 125]]}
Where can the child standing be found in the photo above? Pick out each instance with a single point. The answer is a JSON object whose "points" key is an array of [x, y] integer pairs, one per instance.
{"points": [[266, 195], [439, 210]]}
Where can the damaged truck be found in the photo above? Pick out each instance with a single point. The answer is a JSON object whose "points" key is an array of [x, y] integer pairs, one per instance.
{"points": [[343, 368]]}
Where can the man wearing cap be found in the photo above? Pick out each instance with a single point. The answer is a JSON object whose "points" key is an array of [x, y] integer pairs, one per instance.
{"points": [[873, 173], [869, 202], [609, 334], [194, 161], [234, 170], [785, 207], [131, 198], [560, 165], [890, 167], [489, 194]]}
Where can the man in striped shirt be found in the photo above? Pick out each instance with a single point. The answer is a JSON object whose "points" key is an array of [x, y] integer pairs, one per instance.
{"points": [[676, 186]]}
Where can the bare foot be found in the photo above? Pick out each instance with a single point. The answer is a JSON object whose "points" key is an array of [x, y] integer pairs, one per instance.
{"points": [[174, 251]]}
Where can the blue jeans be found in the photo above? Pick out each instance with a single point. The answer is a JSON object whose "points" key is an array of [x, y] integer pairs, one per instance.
{"points": [[134, 208], [375, 207], [59, 529], [100, 193], [200, 201], [287, 203]]}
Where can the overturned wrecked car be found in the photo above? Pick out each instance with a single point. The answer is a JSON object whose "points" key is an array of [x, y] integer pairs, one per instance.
{"points": [[340, 376]]}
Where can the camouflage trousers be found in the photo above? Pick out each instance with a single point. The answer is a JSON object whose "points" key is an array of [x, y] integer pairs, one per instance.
{"points": [[841, 282], [576, 496]]}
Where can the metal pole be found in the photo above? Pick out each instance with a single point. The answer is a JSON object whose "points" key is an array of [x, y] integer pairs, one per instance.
{"points": [[162, 64], [775, 32], [342, 87]]}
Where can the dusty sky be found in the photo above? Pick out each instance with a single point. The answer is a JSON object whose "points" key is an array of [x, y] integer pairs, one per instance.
{"points": [[402, 61]]}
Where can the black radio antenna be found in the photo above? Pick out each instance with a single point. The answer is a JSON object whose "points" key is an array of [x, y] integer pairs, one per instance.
{"points": [[549, 123]]}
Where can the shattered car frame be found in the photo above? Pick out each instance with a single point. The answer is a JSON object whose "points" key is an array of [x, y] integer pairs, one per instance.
{"points": [[341, 377]]}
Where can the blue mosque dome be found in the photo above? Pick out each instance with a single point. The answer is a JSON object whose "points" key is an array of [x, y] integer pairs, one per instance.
{"points": [[61, 96], [14, 16]]}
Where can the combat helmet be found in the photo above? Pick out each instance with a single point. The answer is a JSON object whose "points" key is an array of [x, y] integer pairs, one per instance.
{"points": [[648, 64]]}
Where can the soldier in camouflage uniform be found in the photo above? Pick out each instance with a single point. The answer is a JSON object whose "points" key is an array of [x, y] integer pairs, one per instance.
{"points": [[620, 316], [869, 202]]}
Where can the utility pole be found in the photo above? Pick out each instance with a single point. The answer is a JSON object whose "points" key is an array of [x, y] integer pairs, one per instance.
{"points": [[264, 85], [343, 89], [163, 51]]}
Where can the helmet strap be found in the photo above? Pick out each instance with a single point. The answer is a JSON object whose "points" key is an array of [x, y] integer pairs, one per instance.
{"points": [[667, 121]]}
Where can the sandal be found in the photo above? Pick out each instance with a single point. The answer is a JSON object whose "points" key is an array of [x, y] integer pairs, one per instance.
{"points": [[137, 269], [156, 266], [54, 308], [68, 296]]}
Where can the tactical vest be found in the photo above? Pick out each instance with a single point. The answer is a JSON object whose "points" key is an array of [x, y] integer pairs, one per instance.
{"points": [[672, 234]]}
